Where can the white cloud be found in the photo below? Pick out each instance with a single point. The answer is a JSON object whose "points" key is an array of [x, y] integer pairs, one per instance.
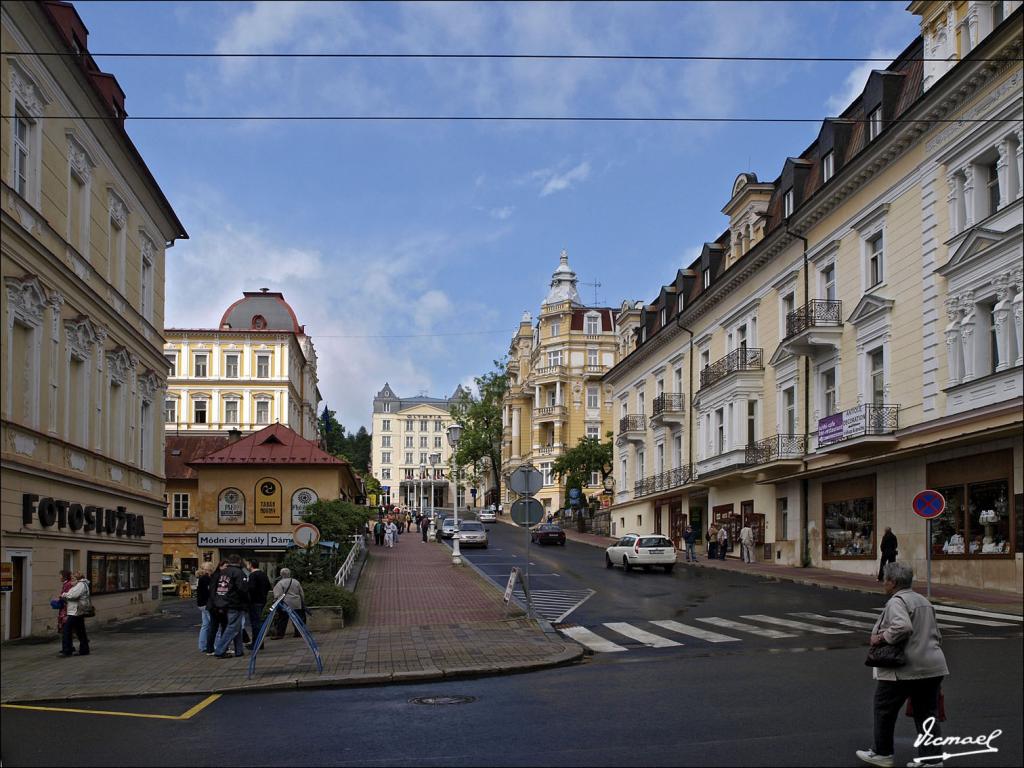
{"points": [[503, 213], [556, 182], [854, 83]]}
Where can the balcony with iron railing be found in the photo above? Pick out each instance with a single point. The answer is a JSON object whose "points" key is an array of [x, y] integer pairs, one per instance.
{"points": [[742, 359], [776, 448], [815, 327], [865, 424], [664, 481], [633, 427], [669, 407]]}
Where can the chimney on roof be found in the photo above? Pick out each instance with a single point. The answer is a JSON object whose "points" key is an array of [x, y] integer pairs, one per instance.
{"points": [[234, 435], [264, 290]]}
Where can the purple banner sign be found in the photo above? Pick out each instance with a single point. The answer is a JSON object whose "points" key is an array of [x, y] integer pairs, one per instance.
{"points": [[830, 429]]}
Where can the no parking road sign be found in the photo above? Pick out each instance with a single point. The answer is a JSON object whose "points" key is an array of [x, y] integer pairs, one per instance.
{"points": [[929, 504]]}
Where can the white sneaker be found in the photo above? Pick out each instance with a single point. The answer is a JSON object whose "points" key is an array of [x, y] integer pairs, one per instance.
{"points": [[870, 757], [925, 764]]}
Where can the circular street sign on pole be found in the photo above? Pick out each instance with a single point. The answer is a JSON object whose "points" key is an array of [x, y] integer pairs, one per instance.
{"points": [[527, 511], [525, 480], [306, 535], [929, 504]]}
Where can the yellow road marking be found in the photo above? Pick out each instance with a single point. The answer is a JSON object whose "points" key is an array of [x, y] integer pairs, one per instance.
{"points": [[185, 716]]}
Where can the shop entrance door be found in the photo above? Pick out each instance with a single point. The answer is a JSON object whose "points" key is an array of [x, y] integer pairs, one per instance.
{"points": [[677, 523], [657, 518], [17, 599], [723, 515]]}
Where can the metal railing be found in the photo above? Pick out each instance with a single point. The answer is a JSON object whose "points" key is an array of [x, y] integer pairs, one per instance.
{"points": [[636, 422], [816, 312], [670, 402], [346, 568], [776, 447], [665, 481], [742, 359], [859, 421]]}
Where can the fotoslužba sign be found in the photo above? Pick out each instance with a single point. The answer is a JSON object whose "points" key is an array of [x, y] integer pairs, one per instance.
{"points": [[227, 540]]}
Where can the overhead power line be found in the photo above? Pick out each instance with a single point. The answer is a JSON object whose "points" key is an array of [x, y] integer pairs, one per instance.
{"points": [[512, 56], [503, 332]]}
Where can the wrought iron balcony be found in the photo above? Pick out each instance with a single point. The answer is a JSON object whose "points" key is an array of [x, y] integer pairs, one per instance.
{"points": [[742, 359], [669, 402], [860, 421], [636, 422], [776, 447], [815, 313], [665, 481]]}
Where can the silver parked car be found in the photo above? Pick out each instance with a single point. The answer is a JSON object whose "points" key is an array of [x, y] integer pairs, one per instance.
{"points": [[447, 529], [472, 534]]}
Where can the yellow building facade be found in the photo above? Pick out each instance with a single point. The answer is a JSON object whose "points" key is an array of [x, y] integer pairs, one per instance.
{"points": [[555, 394], [257, 367], [854, 336], [84, 232]]}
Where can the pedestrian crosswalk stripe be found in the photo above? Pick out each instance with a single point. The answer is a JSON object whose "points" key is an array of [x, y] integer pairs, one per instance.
{"points": [[801, 625], [591, 640], [850, 612], [739, 626], [971, 612], [836, 620], [701, 634], [647, 638], [555, 604]]}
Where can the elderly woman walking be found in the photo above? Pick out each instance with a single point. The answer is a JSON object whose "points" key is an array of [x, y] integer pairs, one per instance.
{"points": [[294, 598], [906, 652]]}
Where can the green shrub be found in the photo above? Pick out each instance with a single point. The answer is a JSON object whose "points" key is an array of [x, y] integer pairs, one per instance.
{"points": [[326, 593]]}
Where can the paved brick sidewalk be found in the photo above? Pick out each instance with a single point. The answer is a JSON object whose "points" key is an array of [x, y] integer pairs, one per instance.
{"points": [[980, 598], [420, 619]]}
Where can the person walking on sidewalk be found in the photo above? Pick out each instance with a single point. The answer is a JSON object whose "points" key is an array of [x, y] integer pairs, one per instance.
{"points": [[424, 529], [889, 551], [294, 598], [202, 601], [218, 608], [233, 584], [391, 534], [79, 603], [747, 543], [690, 541], [713, 542], [378, 533], [66, 583], [259, 588], [723, 542], [907, 620]]}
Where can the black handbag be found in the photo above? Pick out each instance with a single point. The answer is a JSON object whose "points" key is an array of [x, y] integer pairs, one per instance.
{"points": [[886, 656]]}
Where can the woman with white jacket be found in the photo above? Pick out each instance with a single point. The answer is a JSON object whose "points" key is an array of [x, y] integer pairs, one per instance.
{"points": [[78, 600]]}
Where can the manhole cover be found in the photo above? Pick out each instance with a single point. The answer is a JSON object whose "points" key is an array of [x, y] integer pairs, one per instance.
{"points": [[440, 700]]}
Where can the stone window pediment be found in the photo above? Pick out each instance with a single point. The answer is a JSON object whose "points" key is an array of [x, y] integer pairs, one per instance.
{"points": [[26, 299], [977, 242], [81, 337], [870, 308], [119, 363], [149, 384]]}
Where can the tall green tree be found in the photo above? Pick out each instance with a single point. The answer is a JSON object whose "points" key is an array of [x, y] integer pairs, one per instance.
{"points": [[333, 432], [357, 448], [576, 465], [480, 417]]}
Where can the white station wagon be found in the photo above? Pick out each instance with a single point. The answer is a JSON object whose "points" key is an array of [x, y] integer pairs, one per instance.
{"points": [[645, 551]]}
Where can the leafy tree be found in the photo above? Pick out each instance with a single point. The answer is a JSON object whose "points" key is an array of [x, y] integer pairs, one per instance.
{"points": [[333, 433], [480, 417], [357, 448], [576, 465], [371, 485]]}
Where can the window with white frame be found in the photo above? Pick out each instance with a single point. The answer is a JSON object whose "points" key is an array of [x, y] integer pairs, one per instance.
{"points": [[385, 441], [640, 469], [385, 457], [876, 375], [180, 505], [594, 431], [554, 358], [116, 245], [438, 426], [231, 410], [199, 366], [423, 459], [677, 450], [408, 458], [789, 410], [623, 472], [874, 123], [593, 398], [664, 315], [751, 422], [829, 396], [423, 425], [659, 458], [172, 363], [231, 366], [719, 431], [640, 406], [595, 479], [545, 470], [680, 303], [552, 397], [170, 411], [408, 441], [875, 256], [592, 325], [787, 203], [146, 287], [262, 411], [707, 278], [23, 155], [437, 442], [423, 441], [990, 172], [677, 381], [385, 426], [787, 304], [828, 166], [592, 358], [408, 424], [828, 282], [385, 473], [385, 407], [262, 366], [79, 197], [199, 411], [705, 358], [556, 328]]}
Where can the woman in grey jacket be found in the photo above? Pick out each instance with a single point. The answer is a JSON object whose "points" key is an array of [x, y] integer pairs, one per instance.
{"points": [[294, 598], [908, 619]]}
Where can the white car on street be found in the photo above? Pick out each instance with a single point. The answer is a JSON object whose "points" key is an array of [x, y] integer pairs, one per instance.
{"points": [[641, 550], [487, 515]]}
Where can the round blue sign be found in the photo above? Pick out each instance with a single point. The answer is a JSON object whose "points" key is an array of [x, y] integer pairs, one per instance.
{"points": [[929, 504]]}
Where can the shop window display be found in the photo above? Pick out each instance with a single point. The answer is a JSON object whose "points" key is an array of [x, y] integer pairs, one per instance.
{"points": [[850, 528], [976, 521], [109, 572]]}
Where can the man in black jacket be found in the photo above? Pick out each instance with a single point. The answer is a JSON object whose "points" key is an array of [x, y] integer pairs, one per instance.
{"points": [[232, 586], [889, 544], [259, 587]]}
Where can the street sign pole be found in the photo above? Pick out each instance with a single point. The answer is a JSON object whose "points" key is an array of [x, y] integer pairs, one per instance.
{"points": [[928, 549], [929, 504]]}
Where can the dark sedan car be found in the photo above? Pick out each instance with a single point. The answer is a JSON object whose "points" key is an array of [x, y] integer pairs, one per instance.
{"points": [[548, 533]]}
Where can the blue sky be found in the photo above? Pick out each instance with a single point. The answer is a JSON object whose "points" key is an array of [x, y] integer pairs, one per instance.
{"points": [[433, 229]]}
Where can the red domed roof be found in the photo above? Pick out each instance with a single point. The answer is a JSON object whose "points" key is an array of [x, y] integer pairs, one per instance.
{"points": [[261, 310]]}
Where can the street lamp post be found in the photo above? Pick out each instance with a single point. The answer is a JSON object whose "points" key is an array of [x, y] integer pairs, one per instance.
{"points": [[454, 433], [419, 499], [434, 459]]}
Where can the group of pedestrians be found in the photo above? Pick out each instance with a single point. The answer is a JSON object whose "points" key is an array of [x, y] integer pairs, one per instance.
{"points": [[231, 600], [73, 606], [389, 527]]}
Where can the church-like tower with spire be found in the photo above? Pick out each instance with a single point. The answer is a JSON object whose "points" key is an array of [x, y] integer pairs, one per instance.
{"points": [[555, 395]]}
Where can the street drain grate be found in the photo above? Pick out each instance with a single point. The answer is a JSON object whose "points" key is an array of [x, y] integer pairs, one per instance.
{"points": [[442, 700]]}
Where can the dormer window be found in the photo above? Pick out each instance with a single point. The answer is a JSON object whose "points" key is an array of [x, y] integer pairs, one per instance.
{"points": [[592, 325], [664, 315], [787, 204], [643, 334], [874, 123], [828, 166], [680, 304], [707, 278], [259, 322]]}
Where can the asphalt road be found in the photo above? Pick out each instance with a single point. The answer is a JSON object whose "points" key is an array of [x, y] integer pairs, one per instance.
{"points": [[745, 709]]}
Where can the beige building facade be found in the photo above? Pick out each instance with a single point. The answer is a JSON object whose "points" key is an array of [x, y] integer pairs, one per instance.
{"points": [[555, 394], [258, 367], [84, 232], [855, 335]]}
